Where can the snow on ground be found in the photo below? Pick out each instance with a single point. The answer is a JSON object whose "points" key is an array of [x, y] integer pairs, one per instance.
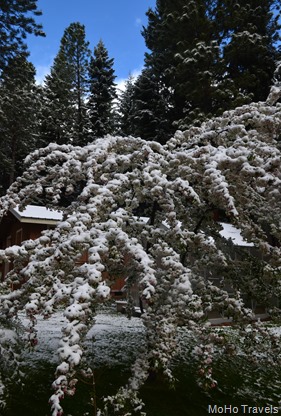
{"points": [[117, 339], [113, 340]]}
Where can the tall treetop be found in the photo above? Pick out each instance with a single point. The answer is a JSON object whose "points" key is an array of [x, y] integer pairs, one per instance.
{"points": [[17, 19], [66, 87], [74, 51], [102, 92], [212, 55]]}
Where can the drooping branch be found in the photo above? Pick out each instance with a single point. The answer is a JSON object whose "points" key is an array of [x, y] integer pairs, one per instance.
{"points": [[231, 163]]}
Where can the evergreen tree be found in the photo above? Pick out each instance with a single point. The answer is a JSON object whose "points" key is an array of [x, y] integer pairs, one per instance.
{"points": [[149, 118], [16, 21], [58, 112], [19, 106], [102, 92], [64, 116], [211, 54], [126, 108], [249, 32], [183, 48]]}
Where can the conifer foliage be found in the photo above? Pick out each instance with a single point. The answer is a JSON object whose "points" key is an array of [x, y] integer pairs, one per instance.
{"points": [[19, 114], [150, 109], [184, 49], [212, 55], [250, 30], [102, 92], [64, 116], [126, 108], [17, 19]]}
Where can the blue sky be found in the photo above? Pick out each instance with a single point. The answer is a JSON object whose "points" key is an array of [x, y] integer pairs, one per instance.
{"points": [[117, 22]]}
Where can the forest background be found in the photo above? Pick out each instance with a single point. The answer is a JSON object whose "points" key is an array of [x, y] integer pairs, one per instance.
{"points": [[204, 57]]}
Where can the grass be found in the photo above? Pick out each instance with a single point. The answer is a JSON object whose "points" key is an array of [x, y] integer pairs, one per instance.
{"points": [[117, 343], [187, 399]]}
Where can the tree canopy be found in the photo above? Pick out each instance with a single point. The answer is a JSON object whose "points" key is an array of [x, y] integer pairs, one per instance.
{"points": [[230, 163], [64, 112], [102, 92], [17, 19], [20, 105], [212, 56]]}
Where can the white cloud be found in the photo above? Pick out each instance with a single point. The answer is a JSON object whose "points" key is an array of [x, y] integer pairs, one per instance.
{"points": [[41, 72], [136, 72], [121, 82]]}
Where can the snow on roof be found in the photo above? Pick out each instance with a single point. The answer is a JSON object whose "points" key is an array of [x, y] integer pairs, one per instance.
{"points": [[43, 215], [229, 231], [35, 213]]}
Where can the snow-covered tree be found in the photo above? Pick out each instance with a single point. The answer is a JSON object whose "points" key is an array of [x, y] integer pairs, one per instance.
{"points": [[126, 108], [250, 33], [150, 109], [102, 92], [212, 55], [230, 163], [64, 112], [184, 56], [19, 109]]}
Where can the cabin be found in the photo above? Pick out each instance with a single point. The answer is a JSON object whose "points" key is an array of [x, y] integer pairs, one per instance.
{"points": [[27, 224], [17, 226]]}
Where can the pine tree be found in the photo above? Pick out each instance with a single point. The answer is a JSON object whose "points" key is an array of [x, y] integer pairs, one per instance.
{"points": [[19, 104], [16, 21], [125, 109], [64, 116], [150, 111], [211, 54], [58, 112], [102, 92], [180, 36], [250, 33]]}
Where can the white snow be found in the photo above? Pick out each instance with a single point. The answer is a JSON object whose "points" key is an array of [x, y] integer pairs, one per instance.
{"points": [[114, 339], [229, 231], [37, 212], [8, 336]]}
